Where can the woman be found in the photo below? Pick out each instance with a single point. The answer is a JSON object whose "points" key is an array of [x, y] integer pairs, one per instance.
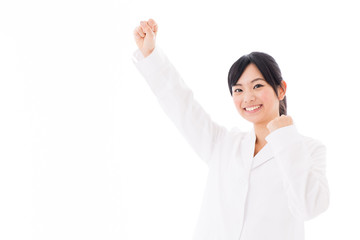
{"points": [[262, 185]]}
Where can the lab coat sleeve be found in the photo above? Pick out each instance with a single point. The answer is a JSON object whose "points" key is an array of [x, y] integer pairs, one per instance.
{"points": [[302, 162], [178, 102]]}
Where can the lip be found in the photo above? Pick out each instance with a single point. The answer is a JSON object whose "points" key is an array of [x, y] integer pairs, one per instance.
{"points": [[255, 110]]}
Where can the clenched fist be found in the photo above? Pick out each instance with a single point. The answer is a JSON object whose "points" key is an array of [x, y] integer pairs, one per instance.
{"points": [[279, 122], [145, 36]]}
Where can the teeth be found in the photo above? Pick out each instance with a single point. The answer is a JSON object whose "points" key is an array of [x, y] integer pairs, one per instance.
{"points": [[252, 108]]}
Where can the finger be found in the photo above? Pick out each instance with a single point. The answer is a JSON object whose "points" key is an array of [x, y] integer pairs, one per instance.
{"points": [[136, 35], [153, 25], [146, 28], [140, 31]]}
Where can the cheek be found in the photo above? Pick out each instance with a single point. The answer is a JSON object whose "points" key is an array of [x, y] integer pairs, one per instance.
{"points": [[268, 96], [238, 103], [265, 96]]}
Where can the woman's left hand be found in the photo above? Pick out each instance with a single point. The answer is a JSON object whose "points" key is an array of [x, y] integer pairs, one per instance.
{"points": [[279, 122]]}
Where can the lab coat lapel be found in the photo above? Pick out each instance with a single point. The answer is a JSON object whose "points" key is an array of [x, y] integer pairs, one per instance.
{"points": [[264, 155], [248, 148]]}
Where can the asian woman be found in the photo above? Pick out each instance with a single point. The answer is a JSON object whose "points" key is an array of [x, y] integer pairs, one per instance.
{"points": [[262, 184]]}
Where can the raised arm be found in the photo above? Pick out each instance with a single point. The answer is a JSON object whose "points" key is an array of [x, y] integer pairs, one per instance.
{"points": [[174, 96]]}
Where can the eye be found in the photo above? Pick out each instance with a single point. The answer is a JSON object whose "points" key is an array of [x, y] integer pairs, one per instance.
{"points": [[237, 90], [258, 85]]}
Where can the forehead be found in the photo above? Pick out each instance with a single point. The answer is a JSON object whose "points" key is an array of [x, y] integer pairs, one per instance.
{"points": [[250, 73]]}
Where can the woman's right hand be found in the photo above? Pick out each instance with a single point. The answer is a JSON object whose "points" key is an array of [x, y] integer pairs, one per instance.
{"points": [[145, 36]]}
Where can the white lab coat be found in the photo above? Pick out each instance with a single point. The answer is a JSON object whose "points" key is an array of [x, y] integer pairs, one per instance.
{"points": [[266, 197]]}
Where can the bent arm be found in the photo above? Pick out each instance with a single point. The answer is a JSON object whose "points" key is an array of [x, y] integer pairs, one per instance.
{"points": [[302, 162], [178, 102]]}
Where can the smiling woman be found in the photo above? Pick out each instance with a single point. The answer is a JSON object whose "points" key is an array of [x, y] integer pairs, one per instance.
{"points": [[262, 184], [269, 70], [259, 103]]}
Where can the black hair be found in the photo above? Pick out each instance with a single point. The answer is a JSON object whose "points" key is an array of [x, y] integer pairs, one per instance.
{"points": [[268, 68]]}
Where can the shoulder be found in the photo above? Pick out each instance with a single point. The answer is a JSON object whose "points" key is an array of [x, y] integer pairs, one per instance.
{"points": [[238, 133], [314, 145], [289, 137], [311, 141], [236, 136]]}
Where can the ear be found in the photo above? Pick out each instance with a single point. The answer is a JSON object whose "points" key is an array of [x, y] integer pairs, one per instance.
{"points": [[282, 90]]}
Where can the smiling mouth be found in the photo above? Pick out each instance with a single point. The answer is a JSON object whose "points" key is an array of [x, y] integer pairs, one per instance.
{"points": [[253, 108]]}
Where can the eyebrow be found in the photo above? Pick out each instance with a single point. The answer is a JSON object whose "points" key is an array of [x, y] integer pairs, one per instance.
{"points": [[256, 79]]}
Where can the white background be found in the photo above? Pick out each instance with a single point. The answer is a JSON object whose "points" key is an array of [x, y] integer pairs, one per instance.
{"points": [[87, 153]]}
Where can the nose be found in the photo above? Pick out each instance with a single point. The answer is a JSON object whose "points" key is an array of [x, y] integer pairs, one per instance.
{"points": [[249, 97]]}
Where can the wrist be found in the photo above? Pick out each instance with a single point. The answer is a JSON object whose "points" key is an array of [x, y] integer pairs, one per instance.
{"points": [[146, 52]]}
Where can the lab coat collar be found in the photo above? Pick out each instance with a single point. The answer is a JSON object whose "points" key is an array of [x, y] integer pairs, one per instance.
{"points": [[248, 148]]}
